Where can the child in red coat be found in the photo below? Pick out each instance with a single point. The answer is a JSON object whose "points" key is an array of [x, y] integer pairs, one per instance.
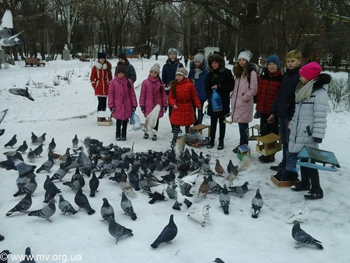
{"points": [[182, 97], [153, 93], [121, 101]]}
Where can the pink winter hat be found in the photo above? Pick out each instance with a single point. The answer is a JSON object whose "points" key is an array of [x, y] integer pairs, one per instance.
{"points": [[310, 71]]}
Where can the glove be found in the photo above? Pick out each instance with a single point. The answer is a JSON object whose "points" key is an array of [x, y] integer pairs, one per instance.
{"points": [[133, 108], [111, 109], [167, 87], [143, 108], [164, 109]]}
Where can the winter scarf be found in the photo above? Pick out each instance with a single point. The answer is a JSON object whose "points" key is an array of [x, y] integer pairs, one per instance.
{"points": [[197, 72], [303, 92]]}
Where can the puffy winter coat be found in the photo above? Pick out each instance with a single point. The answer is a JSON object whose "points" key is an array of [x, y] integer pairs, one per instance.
{"points": [[308, 126], [268, 87], [199, 82], [185, 97], [169, 70], [152, 93], [223, 78], [242, 98], [130, 71], [284, 103], [101, 75], [121, 97]]}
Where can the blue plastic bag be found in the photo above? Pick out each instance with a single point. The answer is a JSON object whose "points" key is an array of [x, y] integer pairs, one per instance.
{"points": [[135, 121], [216, 102]]}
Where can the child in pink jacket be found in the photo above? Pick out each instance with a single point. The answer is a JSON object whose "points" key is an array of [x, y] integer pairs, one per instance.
{"points": [[153, 93], [121, 101]]}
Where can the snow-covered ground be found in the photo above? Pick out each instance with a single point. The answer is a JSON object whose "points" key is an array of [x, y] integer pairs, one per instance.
{"points": [[68, 109]]}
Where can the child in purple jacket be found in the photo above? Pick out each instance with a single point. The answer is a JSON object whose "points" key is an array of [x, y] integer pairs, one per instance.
{"points": [[153, 93]]}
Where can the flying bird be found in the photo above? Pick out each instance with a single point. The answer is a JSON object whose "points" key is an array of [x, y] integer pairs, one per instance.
{"points": [[257, 204], [168, 233], [303, 238], [2, 116], [21, 92], [8, 36], [151, 121]]}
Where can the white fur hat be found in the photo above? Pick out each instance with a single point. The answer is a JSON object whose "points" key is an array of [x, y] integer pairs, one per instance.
{"points": [[246, 54]]}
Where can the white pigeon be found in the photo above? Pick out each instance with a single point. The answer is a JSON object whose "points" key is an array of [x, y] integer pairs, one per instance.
{"points": [[151, 121], [7, 38], [202, 216], [191, 178], [179, 147], [301, 215]]}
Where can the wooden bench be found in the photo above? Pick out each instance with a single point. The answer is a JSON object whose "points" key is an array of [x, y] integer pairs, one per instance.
{"points": [[132, 56], [33, 61]]}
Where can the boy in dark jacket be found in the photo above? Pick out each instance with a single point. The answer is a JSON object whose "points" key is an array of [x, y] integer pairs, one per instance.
{"points": [[284, 104], [130, 70]]}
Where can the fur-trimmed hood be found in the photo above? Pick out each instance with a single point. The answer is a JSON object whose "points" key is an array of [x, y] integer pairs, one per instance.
{"points": [[323, 79], [217, 58], [106, 65]]}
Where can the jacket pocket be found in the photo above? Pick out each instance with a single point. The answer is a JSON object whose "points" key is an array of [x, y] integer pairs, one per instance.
{"points": [[308, 130]]}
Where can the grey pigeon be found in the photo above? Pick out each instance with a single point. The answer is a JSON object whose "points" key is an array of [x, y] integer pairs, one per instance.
{"points": [[45, 212], [31, 155], [116, 230], [47, 165], [30, 186], [22, 148], [93, 184], [239, 190], [224, 198], [257, 204], [168, 233], [23, 168], [28, 257], [22, 205], [127, 207], [52, 145], [82, 201], [21, 92], [34, 138], [214, 186], [75, 142], [107, 210], [303, 238], [219, 260], [38, 150], [50, 190], [42, 138], [66, 207], [75, 184], [60, 173], [11, 142]]}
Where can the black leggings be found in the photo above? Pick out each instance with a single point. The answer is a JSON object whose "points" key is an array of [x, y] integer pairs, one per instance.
{"points": [[222, 128], [102, 103], [121, 125]]}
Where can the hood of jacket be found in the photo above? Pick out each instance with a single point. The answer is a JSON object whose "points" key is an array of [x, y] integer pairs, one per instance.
{"points": [[217, 58]]}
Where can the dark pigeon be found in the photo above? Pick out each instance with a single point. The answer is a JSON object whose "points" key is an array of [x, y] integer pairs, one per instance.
{"points": [[118, 231], [22, 148], [168, 233], [82, 201], [38, 150], [22, 205], [46, 166], [52, 145], [127, 207], [66, 207], [107, 210], [28, 257], [303, 238], [93, 184], [21, 92], [75, 142], [11, 142]]}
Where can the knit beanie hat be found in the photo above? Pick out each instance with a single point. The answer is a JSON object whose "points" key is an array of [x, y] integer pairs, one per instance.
{"points": [[172, 51], [122, 55], [310, 71], [199, 57], [182, 71], [156, 68], [274, 59], [246, 54], [101, 55], [120, 68]]}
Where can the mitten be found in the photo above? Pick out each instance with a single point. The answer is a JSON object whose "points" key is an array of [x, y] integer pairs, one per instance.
{"points": [[111, 109], [133, 108], [143, 108], [165, 108]]}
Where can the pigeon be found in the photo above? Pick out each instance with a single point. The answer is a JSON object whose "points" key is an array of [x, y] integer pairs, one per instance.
{"points": [[203, 188], [28, 257], [22, 205], [8, 36], [182, 202], [156, 197], [75, 142], [2, 238], [301, 215], [4, 255], [179, 147], [64, 157], [93, 184], [51, 189], [34, 138], [52, 145], [21, 92], [127, 207], [171, 191], [107, 210], [22, 148], [118, 231], [218, 168], [82, 201], [230, 166], [31, 156], [301, 237], [219, 260], [224, 198], [257, 204], [42, 138], [239, 190], [46, 165], [30, 186], [202, 216], [11, 142], [168, 233], [60, 173], [65, 206], [45, 212], [151, 121], [214, 186], [2, 116], [38, 150], [23, 168]]}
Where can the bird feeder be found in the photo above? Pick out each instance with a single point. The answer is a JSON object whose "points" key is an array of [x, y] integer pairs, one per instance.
{"points": [[268, 144], [253, 132], [243, 150], [317, 159], [106, 115], [200, 127]]}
